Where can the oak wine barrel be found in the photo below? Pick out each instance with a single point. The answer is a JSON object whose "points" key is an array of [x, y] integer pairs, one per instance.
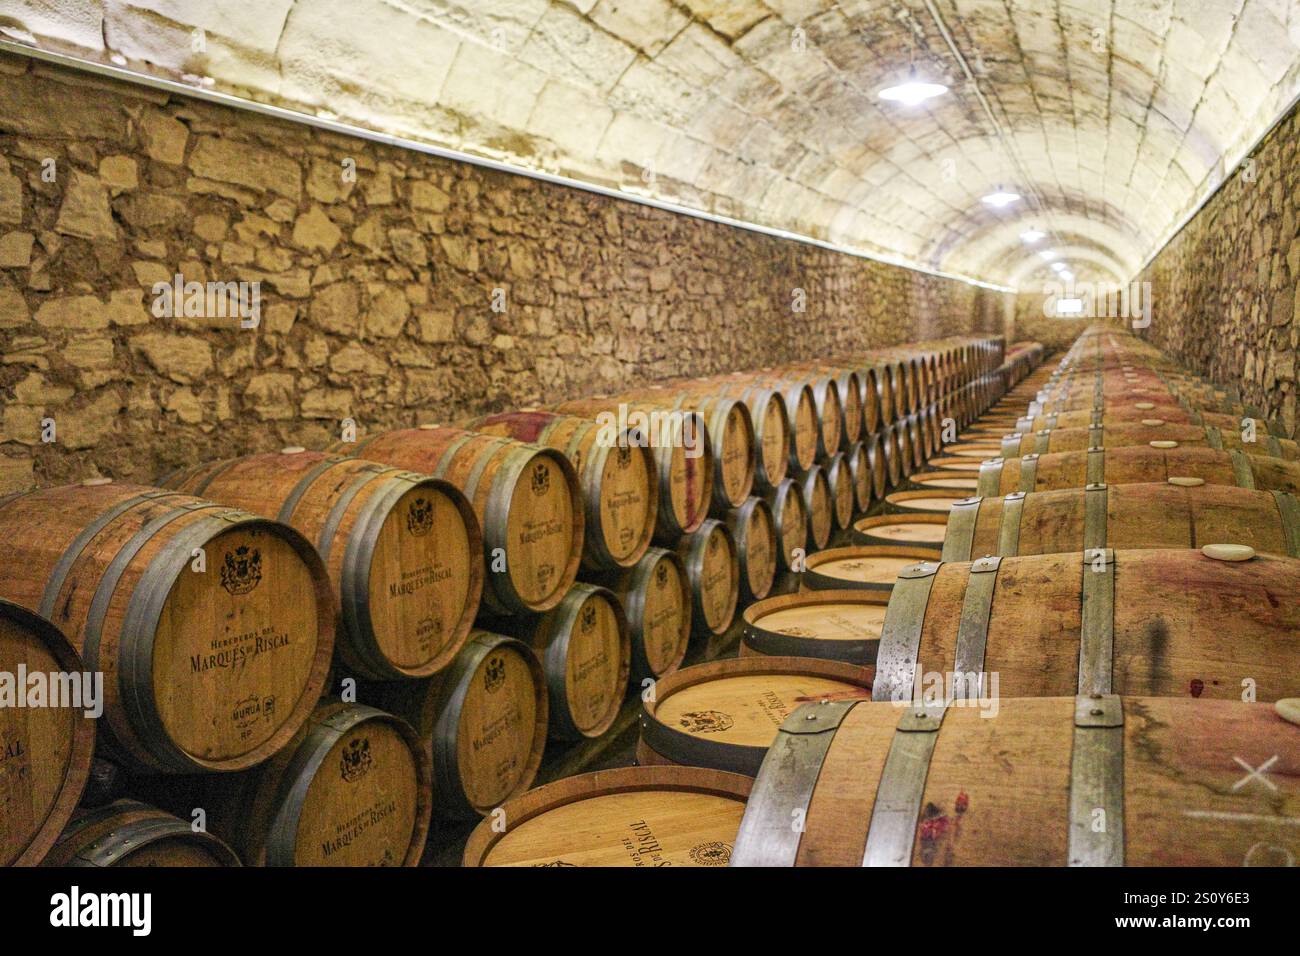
{"points": [[1158, 622], [403, 550], [1136, 464], [843, 494], [483, 720], [46, 751], [753, 529], [1142, 433], [819, 499], [771, 420], [922, 501], [526, 497], [713, 568], [876, 785], [354, 788], [683, 452], [1180, 513], [723, 715], [130, 833], [790, 514], [943, 481], [656, 597], [586, 655], [731, 430], [213, 627], [616, 470], [864, 567], [906, 530], [827, 625], [631, 816]]}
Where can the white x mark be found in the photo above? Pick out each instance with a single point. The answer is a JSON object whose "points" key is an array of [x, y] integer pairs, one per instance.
{"points": [[1256, 773]]}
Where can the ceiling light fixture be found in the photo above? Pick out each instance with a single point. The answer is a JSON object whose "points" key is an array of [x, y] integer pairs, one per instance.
{"points": [[1048, 254], [1067, 275], [912, 92], [999, 198], [1058, 266], [1032, 235]]}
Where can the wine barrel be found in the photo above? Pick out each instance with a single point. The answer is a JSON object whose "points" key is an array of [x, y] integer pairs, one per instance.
{"points": [[130, 833], [888, 388], [586, 655], [526, 497], [956, 464], [724, 715], [45, 752], [753, 529], [213, 627], [827, 625], [483, 720], [656, 597], [922, 501], [1177, 514], [859, 566], [683, 454], [850, 387], [944, 481], [878, 786], [352, 789], [892, 454], [713, 568], [1136, 464], [820, 501], [731, 431], [1142, 433], [828, 406], [770, 418], [906, 530], [631, 816], [800, 404], [870, 471], [843, 495], [403, 550], [616, 471], [1158, 621], [1137, 412], [790, 514]]}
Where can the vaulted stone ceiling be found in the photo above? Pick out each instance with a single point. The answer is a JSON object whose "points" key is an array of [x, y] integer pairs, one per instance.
{"points": [[1111, 119]]}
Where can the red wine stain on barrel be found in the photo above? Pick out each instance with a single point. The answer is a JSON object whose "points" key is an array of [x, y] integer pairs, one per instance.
{"points": [[1196, 687]]}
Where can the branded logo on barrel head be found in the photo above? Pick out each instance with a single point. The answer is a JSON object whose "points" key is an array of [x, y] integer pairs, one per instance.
{"points": [[624, 455], [713, 545], [588, 617], [242, 571], [711, 854], [251, 709], [494, 674], [661, 574], [555, 863], [356, 760], [541, 478], [419, 519], [706, 722], [796, 631]]}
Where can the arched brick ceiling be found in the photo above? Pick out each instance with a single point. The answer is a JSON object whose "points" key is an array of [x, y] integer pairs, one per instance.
{"points": [[1111, 119]]}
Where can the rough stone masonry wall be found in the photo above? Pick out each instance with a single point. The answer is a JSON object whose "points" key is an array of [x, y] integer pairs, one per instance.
{"points": [[377, 293], [1224, 290]]}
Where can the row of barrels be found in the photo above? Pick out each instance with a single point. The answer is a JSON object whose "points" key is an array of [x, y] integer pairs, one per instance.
{"points": [[222, 604], [1135, 641]]}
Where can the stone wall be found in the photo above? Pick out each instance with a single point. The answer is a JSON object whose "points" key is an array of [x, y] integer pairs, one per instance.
{"points": [[417, 289], [1224, 290], [1030, 323]]}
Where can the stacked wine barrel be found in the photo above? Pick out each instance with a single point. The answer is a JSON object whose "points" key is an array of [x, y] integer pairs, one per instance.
{"points": [[1100, 630], [309, 656]]}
